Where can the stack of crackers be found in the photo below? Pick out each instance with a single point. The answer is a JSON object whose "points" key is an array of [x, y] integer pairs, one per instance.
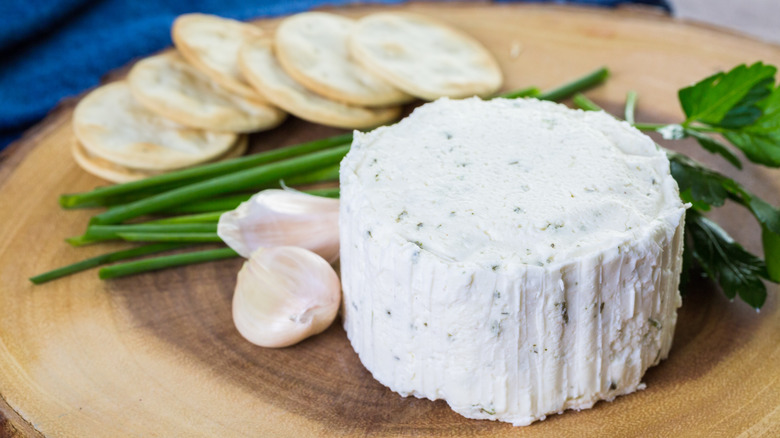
{"points": [[226, 78]]}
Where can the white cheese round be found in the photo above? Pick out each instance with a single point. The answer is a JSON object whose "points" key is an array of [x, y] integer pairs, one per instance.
{"points": [[513, 257]]}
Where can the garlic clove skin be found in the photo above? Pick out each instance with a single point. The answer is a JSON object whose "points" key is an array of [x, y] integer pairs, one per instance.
{"points": [[284, 295], [283, 218]]}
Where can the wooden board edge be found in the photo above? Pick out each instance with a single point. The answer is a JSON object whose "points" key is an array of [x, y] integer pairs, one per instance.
{"points": [[13, 425]]}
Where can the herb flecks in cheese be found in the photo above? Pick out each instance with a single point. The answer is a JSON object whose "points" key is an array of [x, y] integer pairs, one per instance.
{"points": [[599, 185], [543, 215]]}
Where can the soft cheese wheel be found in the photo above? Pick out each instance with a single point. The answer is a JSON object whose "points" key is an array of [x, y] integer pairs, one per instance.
{"points": [[312, 48], [172, 88], [526, 261], [424, 57], [112, 125]]}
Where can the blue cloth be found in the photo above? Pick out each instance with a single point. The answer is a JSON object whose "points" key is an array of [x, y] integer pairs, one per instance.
{"points": [[51, 49]]}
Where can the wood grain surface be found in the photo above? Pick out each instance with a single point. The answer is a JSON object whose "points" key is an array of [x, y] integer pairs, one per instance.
{"points": [[157, 354]]}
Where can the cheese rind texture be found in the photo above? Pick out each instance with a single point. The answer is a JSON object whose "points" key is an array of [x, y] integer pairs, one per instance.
{"points": [[513, 257]]}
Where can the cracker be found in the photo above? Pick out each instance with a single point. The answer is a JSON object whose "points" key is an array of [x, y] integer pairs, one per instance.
{"points": [[211, 44], [111, 124], [259, 65], [170, 87], [113, 172], [423, 57], [312, 48]]}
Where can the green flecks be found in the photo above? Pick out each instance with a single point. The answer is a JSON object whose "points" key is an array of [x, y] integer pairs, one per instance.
{"points": [[495, 328], [654, 322], [420, 225], [564, 311], [401, 215]]}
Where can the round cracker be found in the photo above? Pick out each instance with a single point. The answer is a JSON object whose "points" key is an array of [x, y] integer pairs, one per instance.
{"points": [[211, 44], [111, 124], [312, 48], [423, 57], [169, 86], [113, 172], [259, 65]]}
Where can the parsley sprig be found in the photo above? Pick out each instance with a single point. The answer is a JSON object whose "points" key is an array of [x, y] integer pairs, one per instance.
{"points": [[741, 106]]}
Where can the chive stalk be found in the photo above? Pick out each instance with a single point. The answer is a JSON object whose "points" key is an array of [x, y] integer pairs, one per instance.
{"points": [[200, 218], [99, 233], [104, 259], [205, 171], [523, 92], [237, 181], [328, 192], [649, 126], [139, 236], [222, 203], [631, 98], [155, 263], [582, 102], [327, 174], [589, 80]]}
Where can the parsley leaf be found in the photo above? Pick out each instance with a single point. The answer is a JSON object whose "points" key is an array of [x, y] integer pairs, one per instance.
{"points": [[704, 187], [725, 261], [771, 243], [729, 100], [699, 184], [714, 146], [760, 141]]}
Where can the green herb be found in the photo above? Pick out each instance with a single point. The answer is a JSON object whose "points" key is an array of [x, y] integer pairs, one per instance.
{"points": [[156, 263], [525, 92], [238, 181], [725, 261], [589, 80], [714, 146], [99, 233], [584, 103], [104, 259], [139, 236], [628, 113], [208, 217], [100, 195], [760, 141], [743, 106], [728, 100]]}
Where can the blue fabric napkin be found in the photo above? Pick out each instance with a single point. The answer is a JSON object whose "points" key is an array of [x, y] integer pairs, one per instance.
{"points": [[51, 49]]}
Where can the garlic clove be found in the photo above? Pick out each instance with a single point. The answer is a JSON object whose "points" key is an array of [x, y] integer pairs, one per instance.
{"points": [[283, 218], [284, 295]]}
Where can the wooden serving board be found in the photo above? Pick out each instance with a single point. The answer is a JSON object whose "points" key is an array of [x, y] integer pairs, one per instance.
{"points": [[157, 354]]}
